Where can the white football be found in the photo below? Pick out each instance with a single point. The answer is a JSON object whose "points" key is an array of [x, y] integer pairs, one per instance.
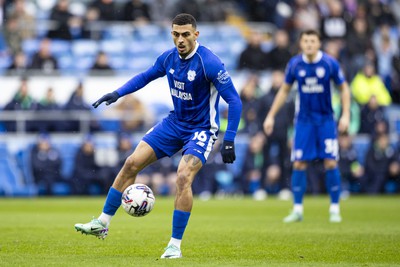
{"points": [[138, 200]]}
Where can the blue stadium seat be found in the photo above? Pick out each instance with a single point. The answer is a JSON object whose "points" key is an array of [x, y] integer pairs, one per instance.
{"points": [[60, 47], [361, 145], [30, 46], [81, 48], [113, 47], [68, 152], [12, 182]]}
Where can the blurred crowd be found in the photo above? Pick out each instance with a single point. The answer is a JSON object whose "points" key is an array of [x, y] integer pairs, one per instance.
{"points": [[362, 34]]}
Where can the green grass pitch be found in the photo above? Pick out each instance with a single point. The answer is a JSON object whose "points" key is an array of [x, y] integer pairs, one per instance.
{"points": [[227, 232]]}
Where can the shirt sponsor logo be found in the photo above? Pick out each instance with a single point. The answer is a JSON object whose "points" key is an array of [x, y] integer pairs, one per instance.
{"points": [[311, 86], [171, 71], [181, 95], [223, 77]]}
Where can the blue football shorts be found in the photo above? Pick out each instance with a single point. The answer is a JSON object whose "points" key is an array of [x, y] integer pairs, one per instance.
{"points": [[167, 138], [315, 141]]}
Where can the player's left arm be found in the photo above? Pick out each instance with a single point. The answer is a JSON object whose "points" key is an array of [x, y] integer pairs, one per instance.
{"points": [[344, 120], [340, 81]]}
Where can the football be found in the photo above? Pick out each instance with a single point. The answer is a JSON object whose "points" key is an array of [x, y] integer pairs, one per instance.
{"points": [[138, 200]]}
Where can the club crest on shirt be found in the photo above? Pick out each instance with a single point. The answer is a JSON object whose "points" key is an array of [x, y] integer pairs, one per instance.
{"points": [[302, 73], [191, 75], [320, 72]]}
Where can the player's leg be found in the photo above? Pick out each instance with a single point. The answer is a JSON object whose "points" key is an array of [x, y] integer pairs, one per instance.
{"points": [[304, 149], [195, 152], [299, 186], [329, 152], [139, 159], [188, 167]]}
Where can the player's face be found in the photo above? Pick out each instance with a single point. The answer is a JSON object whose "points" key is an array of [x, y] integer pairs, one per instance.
{"points": [[310, 44], [185, 37]]}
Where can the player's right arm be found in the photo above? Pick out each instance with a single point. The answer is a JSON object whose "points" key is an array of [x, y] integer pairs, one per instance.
{"points": [[279, 100], [137, 82]]}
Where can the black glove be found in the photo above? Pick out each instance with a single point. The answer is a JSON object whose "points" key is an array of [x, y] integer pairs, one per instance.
{"points": [[228, 151], [108, 98]]}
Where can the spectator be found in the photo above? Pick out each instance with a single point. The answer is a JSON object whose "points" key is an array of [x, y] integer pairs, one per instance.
{"points": [[13, 35], [92, 28], [61, 18], [275, 150], [253, 57], [106, 9], [358, 42], [49, 103], [395, 79], [133, 113], [379, 13], [305, 16], [43, 60], [137, 11], [385, 41], [334, 26], [213, 11], [86, 173], [46, 164], [77, 103], [350, 169], [19, 66], [189, 7], [279, 56], [101, 65], [367, 83], [22, 101], [379, 156], [25, 21], [371, 114], [249, 96]]}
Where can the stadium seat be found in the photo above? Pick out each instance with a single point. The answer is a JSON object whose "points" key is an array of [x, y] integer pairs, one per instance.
{"points": [[113, 47], [12, 181], [84, 48], [361, 145], [30, 46], [60, 47]]}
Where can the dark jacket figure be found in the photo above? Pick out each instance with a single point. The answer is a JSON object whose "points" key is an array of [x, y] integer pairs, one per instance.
{"points": [[253, 56], [378, 159], [48, 103], [46, 165], [86, 171], [61, 17]]}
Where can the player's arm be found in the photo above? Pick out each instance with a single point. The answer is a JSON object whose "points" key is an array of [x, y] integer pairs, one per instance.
{"points": [[137, 82], [344, 121], [279, 100], [231, 97]]}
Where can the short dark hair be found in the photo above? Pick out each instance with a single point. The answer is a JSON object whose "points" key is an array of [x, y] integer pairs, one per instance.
{"points": [[184, 19], [310, 32]]}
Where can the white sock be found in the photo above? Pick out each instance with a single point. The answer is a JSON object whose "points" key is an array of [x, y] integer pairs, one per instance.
{"points": [[175, 242], [334, 208], [105, 219], [298, 208]]}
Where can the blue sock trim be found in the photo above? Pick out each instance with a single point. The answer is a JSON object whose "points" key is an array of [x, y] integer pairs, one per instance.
{"points": [[179, 222], [113, 201], [299, 185], [333, 184]]}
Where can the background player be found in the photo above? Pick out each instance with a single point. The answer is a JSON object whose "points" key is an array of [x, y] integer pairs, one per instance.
{"points": [[196, 79], [315, 128]]}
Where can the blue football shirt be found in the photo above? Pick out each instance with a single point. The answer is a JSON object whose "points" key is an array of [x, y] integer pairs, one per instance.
{"points": [[196, 84], [314, 80]]}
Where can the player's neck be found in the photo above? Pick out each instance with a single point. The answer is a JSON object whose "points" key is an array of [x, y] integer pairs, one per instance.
{"points": [[312, 58]]}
